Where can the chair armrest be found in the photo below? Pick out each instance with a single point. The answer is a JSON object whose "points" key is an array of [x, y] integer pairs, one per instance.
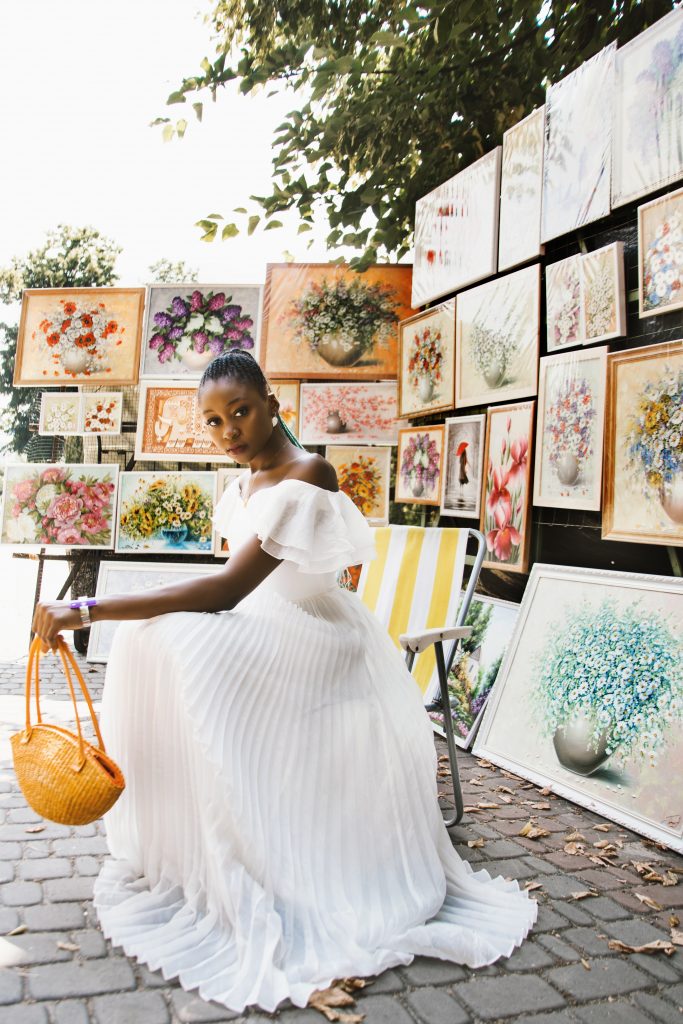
{"points": [[417, 642]]}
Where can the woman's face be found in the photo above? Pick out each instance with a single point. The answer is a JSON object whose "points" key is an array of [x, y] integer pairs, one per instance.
{"points": [[238, 419]]}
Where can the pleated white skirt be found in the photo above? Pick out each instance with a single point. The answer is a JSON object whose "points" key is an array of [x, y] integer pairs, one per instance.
{"points": [[280, 826]]}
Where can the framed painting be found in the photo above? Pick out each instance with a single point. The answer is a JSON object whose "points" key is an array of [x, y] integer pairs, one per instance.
{"points": [[474, 672], [578, 146], [287, 394], [325, 320], [419, 465], [506, 498], [187, 325], [426, 381], [564, 323], [101, 412], [463, 465], [170, 427], [133, 578], [643, 474], [569, 431], [165, 513], [69, 505], [648, 128], [603, 294], [497, 327], [225, 478], [577, 707], [79, 336], [364, 473], [349, 413], [60, 412], [521, 189], [456, 231], [660, 254]]}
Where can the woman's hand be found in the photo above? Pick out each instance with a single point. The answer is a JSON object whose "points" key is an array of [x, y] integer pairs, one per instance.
{"points": [[52, 616]]}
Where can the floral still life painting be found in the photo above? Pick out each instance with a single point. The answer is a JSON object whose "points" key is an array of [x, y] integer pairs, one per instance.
{"points": [[58, 504], [80, 413], [564, 326], [569, 432], [589, 698], [419, 466], [327, 320], [648, 127], [170, 427], [463, 464], [497, 339], [603, 294], [79, 335], [349, 413], [60, 412], [166, 513], [506, 501], [188, 325], [643, 485], [521, 187], [364, 474], [660, 255], [474, 671], [427, 361], [101, 412]]}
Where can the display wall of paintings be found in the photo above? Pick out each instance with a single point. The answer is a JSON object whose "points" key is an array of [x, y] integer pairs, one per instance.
{"points": [[188, 324], [506, 498], [349, 413], [165, 513], [463, 465], [521, 190], [586, 298], [419, 465], [327, 320], [133, 578], [578, 146], [648, 128], [170, 426], [497, 339], [79, 335], [71, 412], [456, 231], [221, 548], [287, 394], [660, 251], [68, 505], [474, 671], [427, 361], [364, 473], [643, 475], [577, 706], [569, 430]]}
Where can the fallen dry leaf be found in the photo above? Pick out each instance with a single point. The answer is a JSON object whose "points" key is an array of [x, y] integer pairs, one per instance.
{"points": [[486, 805], [575, 837], [602, 828], [475, 844], [19, 930], [483, 763], [471, 810], [70, 946], [583, 894], [574, 849], [648, 901], [35, 828], [676, 937], [530, 886], [605, 845], [544, 792], [531, 831], [505, 799], [674, 920], [541, 806], [585, 964], [648, 873], [658, 946], [327, 1001], [527, 785], [670, 879], [509, 775], [505, 789]]}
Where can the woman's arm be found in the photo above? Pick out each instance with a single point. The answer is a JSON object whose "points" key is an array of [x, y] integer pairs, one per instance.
{"points": [[243, 572]]}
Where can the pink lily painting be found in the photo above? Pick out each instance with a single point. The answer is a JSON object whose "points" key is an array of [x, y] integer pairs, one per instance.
{"points": [[506, 506]]}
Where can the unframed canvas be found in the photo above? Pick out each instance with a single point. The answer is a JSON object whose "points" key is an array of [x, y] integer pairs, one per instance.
{"points": [[463, 464], [521, 189], [564, 323]]}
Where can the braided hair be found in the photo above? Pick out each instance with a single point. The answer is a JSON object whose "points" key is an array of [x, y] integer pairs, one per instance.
{"points": [[239, 364]]}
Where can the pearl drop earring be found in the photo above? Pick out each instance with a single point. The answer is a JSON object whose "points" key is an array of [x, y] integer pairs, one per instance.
{"points": [[274, 421]]}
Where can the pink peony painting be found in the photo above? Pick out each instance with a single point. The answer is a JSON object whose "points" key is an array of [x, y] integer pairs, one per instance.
{"points": [[506, 498]]}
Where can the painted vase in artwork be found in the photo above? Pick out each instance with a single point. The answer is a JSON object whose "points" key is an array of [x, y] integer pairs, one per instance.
{"points": [[337, 350], [174, 534], [494, 373], [577, 748], [671, 498], [425, 389], [654, 442], [196, 360], [335, 424], [568, 469]]}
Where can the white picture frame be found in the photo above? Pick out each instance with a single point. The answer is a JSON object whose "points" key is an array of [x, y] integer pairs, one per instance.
{"points": [[521, 192], [463, 497]]}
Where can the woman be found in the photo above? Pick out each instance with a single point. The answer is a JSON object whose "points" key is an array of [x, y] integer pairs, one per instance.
{"points": [[280, 827]]}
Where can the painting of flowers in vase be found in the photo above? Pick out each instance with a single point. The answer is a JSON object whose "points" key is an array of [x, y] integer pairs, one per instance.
{"points": [[427, 361], [569, 432], [506, 507], [564, 326], [497, 339], [166, 513], [288, 395], [589, 697], [349, 413], [643, 479], [419, 467], [325, 320], [364, 474], [79, 336], [660, 255], [188, 325], [47, 504], [603, 294], [101, 412]]}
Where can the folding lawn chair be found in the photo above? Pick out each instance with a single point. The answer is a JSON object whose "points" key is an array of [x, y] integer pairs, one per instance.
{"points": [[414, 588]]}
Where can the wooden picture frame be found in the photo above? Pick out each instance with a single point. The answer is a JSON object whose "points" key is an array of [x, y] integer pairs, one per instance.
{"points": [[364, 473], [506, 490], [349, 413], [426, 380], [660, 255], [417, 483]]}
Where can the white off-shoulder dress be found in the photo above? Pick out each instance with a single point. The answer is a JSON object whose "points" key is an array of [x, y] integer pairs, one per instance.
{"points": [[280, 826]]}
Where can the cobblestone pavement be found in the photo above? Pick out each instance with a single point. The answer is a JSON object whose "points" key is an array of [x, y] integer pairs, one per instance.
{"points": [[61, 969]]}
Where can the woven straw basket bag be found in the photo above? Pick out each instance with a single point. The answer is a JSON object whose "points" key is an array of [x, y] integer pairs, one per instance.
{"points": [[63, 777]]}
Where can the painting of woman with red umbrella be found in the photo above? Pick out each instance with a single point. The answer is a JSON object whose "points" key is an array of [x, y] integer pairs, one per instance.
{"points": [[464, 455]]}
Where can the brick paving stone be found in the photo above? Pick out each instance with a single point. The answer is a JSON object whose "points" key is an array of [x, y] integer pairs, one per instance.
{"points": [[541, 865], [21, 894], [561, 886], [658, 1009], [573, 912], [613, 977], [18, 833], [558, 1017], [385, 1010], [295, 1016], [25, 1014], [435, 1006], [6, 871], [501, 848], [429, 971], [96, 977], [38, 849], [89, 846], [190, 1009], [675, 994], [9, 919], [618, 1012], [492, 998], [549, 920], [45, 867], [558, 947], [153, 979], [69, 1011], [607, 910], [67, 890], [662, 968], [10, 986], [10, 851], [41, 947], [91, 943], [54, 917], [588, 941], [529, 957], [131, 1008], [384, 984], [87, 865], [509, 869]]}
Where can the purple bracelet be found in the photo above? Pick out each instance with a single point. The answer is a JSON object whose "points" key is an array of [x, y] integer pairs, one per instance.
{"points": [[82, 605]]}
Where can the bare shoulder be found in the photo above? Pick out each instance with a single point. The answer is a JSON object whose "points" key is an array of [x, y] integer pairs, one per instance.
{"points": [[314, 469]]}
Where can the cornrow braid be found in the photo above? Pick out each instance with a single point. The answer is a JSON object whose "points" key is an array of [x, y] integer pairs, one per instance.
{"points": [[241, 365]]}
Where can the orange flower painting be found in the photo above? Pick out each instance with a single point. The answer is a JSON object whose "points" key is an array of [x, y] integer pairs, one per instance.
{"points": [[363, 473]]}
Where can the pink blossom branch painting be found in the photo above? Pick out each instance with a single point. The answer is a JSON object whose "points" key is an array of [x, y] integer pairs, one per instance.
{"points": [[349, 413], [505, 511]]}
